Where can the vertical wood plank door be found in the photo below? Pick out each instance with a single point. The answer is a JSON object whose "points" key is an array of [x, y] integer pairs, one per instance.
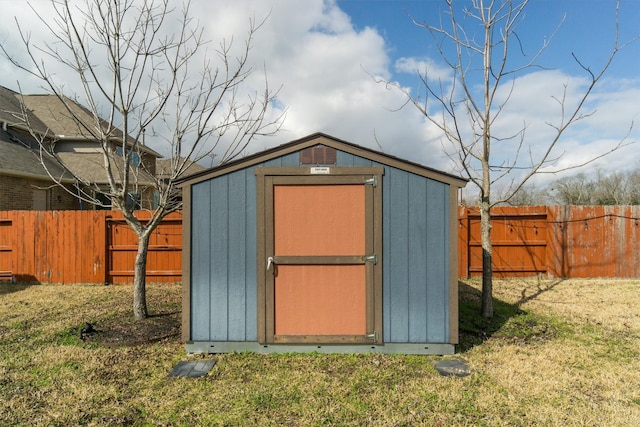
{"points": [[322, 237]]}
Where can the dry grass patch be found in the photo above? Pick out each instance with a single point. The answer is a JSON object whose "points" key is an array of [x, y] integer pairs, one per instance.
{"points": [[612, 304], [589, 374], [557, 353]]}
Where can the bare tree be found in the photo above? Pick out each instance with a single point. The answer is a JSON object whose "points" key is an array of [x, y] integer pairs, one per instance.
{"points": [[574, 190], [143, 71], [478, 44], [634, 186], [528, 195], [615, 188]]}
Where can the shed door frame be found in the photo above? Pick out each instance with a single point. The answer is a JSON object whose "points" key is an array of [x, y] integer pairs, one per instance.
{"points": [[267, 177]]}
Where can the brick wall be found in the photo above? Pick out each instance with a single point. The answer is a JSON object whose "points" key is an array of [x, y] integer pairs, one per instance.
{"points": [[16, 193], [61, 200]]}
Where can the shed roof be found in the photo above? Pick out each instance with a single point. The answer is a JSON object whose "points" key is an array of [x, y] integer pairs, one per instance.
{"points": [[329, 141]]}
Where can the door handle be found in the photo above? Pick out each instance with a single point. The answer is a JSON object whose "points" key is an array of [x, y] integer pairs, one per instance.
{"points": [[270, 262]]}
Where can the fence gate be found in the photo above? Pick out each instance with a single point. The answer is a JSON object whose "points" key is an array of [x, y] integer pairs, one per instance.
{"points": [[6, 269], [519, 237], [164, 260]]}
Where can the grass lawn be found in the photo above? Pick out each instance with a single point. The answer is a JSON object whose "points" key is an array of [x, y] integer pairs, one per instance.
{"points": [[557, 353]]}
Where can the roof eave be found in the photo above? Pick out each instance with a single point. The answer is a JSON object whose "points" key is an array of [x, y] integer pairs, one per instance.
{"points": [[324, 139], [21, 174], [53, 137]]}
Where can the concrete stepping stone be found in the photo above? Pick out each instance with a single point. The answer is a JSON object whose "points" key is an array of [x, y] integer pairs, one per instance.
{"points": [[198, 368]]}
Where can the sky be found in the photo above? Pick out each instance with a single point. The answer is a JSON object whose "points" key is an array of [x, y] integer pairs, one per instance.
{"points": [[329, 55]]}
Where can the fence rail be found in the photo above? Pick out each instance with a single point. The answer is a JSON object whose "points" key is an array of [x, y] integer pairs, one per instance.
{"points": [[99, 247]]}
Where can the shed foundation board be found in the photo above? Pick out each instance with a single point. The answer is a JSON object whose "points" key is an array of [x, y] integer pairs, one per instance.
{"points": [[208, 347]]}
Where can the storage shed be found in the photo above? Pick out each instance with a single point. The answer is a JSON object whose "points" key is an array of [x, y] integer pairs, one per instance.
{"points": [[320, 245]]}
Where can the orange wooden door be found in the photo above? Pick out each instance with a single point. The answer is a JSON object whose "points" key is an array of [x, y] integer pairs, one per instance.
{"points": [[319, 240], [320, 256], [319, 245]]}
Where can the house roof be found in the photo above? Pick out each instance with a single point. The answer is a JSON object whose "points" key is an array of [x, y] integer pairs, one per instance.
{"points": [[10, 111], [163, 168], [330, 141], [49, 115], [17, 159], [89, 167]]}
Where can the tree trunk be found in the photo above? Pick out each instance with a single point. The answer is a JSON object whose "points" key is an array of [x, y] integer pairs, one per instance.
{"points": [[486, 308], [139, 278]]}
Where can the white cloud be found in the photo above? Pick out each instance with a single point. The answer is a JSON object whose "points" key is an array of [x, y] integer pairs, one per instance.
{"points": [[424, 66], [608, 114]]}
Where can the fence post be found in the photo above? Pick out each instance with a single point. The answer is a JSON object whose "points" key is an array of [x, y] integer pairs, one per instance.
{"points": [[463, 242], [107, 246]]}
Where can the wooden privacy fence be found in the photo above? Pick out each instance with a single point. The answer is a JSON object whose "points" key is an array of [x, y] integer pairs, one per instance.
{"points": [[98, 246], [554, 241], [84, 247]]}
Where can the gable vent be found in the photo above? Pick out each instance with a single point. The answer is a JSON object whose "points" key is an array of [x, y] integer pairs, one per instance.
{"points": [[318, 155]]}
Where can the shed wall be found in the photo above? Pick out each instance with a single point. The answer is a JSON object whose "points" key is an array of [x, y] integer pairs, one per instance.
{"points": [[415, 255], [415, 258]]}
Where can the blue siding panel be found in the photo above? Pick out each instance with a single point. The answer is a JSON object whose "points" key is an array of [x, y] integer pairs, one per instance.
{"points": [[344, 159], [418, 259], [347, 159], [292, 159], [251, 280], [200, 251], [386, 251], [223, 258], [236, 253], [277, 162], [415, 255], [361, 162], [219, 258], [438, 267], [288, 160], [396, 259]]}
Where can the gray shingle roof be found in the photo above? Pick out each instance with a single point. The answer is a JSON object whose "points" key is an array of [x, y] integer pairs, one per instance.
{"points": [[57, 119], [163, 168], [89, 167], [51, 115], [11, 111], [10, 105], [19, 160]]}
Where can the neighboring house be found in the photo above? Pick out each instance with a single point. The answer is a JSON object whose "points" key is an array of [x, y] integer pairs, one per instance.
{"points": [[76, 156], [25, 183]]}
